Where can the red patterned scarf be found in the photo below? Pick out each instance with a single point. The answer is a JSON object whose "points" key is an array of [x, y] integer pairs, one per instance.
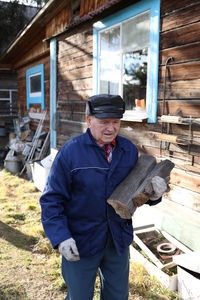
{"points": [[109, 150]]}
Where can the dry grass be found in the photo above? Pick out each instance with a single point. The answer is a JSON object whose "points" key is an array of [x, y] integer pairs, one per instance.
{"points": [[30, 269]]}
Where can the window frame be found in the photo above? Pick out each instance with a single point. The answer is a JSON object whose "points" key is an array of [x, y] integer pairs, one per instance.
{"points": [[153, 59], [37, 97]]}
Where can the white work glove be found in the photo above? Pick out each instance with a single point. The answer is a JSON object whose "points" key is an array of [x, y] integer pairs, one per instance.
{"points": [[69, 250], [159, 186]]}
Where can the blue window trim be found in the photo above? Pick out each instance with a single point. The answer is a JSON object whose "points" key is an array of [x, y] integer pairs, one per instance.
{"points": [[39, 99], [129, 12], [53, 89]]}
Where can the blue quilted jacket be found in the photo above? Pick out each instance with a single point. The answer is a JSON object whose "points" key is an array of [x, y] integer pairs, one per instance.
{"points": [[74, 200]]}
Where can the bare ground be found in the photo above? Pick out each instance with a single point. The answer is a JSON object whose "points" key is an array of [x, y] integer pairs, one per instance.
{"points": [[29, 268]]}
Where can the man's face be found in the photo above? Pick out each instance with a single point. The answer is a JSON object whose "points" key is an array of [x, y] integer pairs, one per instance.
{"points": [[103, 130]]}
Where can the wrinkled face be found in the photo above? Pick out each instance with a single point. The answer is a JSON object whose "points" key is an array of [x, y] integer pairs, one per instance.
{"points": [[103, 130]]}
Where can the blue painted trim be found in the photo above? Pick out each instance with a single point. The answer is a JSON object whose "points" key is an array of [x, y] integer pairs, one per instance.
{"points": [[53, 92], [95, 61], [129, 12], [39, 99]]}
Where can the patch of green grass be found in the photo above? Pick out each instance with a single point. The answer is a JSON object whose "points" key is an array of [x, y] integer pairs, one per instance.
{"points": [[20, 217], [149, 288], [10, 209], [8, 292], [31, 207]]}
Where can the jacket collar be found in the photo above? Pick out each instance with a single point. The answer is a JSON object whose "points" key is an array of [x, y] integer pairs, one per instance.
{"points": [[89, 140]]}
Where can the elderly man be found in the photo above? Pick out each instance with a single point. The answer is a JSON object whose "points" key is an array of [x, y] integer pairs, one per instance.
{"points": [[75, 214]]}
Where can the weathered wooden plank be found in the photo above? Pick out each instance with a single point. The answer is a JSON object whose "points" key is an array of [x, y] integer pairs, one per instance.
{"points": [[72, 106], [170, 6], [183, 53], [68, 127], [60, 21], [137, 185], [149, 137], [84, 84], [148, 140], [180, 36], [78, 73], [186, 180], [73, 95], [79, 37], [76, 49], [75, 63], [187, 89], [185, 71], [184, 197], [181, 17], [76, 85], [76, 116], [64, 86], [181, 108], [31, 49]]}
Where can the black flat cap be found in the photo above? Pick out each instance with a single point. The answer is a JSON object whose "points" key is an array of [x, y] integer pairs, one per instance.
{"points": [[106, 106]]}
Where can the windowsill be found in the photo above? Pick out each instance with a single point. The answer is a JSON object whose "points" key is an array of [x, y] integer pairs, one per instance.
{"points": [[135, 116]]}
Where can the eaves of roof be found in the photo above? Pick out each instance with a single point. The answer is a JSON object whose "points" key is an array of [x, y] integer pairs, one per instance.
{"points": [[100, 12], [32, 28], [44, 15]]}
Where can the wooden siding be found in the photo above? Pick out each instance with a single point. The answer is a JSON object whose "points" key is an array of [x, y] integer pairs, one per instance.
{"points": [[75, 57], [179, 38], [38, 51], [90, 5], [62, 18]]}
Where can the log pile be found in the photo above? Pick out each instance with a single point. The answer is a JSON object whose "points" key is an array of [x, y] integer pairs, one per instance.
{"points": [[137, 185]]}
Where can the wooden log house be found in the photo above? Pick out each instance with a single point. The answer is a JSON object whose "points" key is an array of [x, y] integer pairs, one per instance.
{"points": [[87, 47]]}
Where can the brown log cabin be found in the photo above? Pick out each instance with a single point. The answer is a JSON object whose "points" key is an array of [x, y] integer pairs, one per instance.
{"points": [[147, 51]]}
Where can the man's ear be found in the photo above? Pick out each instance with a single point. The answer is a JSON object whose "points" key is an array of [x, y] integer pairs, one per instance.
{"points": [[88, 120]]}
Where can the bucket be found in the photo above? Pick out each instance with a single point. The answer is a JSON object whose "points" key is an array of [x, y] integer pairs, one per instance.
{"points": [[12, 164], [3, 131]]}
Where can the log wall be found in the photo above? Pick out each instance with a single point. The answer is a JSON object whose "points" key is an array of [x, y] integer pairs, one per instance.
{"points": [[75, 57], [179, 94], [180, 90]]}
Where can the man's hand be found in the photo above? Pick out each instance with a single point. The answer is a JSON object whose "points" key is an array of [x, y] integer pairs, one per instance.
{"points": [[69, 250], [159, 187]]}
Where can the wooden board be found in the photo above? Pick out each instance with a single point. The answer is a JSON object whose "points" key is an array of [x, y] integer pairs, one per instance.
{"points": [[180, 53], [189, 71], [183, 89], [170, 6], [181, 17], [180, 107]]}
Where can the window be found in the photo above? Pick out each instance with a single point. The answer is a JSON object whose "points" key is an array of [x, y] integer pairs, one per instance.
{"points": [[126, 51], [35, 85]]}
